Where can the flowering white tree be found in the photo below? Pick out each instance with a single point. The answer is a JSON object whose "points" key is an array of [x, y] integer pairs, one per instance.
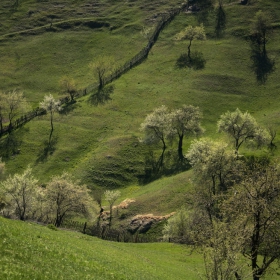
{"points": [[242, 127], [65, 198], [157, 126], [185, 122], [177, 225], [213, 163], [20, 192], [192, 33], [51, 106], [13, 103]]}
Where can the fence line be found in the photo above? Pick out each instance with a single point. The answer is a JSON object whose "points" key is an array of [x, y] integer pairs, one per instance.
{"points": [[137, 59], [103, 232]]}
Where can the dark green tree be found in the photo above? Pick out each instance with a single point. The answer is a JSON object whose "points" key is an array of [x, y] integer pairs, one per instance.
{"points": [[220, 19], [261, 28]]}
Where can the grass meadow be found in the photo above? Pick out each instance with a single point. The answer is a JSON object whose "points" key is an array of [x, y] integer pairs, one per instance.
{"points": [[96, 131], [30, 251], [99, 141]]}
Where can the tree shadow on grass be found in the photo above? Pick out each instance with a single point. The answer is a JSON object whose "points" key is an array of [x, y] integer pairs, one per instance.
{"points": [[151, 169], [167, 164], [196, 62], [48, 149], [174, 164], [262, 65], [69, 107], [10, 145], [101, 96]]}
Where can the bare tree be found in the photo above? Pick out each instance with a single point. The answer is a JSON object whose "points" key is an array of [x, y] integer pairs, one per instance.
{"points": [[260, 29], [69, 86], [111, 197], [102, 66]]}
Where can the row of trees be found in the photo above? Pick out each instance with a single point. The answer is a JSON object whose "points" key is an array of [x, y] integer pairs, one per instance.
{"points": [[14, 104], [233, 212], [163, 125], [61, 198]]}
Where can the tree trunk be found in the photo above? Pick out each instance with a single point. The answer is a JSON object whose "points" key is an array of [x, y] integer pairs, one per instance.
{"points": [[10, 123], [237, 145], [100, 82], [189, 49], [72, 96], [264, 44], [58, 220], [111, 212], [160, 161], [1, 124], [213, 185], [50, 137], [180, 147], [22, 214], [255, 247]]}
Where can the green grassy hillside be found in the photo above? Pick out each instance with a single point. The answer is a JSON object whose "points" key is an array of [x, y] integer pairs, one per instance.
{"points": [[30, 251], [42, 41], [99, 142]]}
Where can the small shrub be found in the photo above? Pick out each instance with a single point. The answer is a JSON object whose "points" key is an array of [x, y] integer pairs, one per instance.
{"points": [[51, 226], [123, 216]]}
